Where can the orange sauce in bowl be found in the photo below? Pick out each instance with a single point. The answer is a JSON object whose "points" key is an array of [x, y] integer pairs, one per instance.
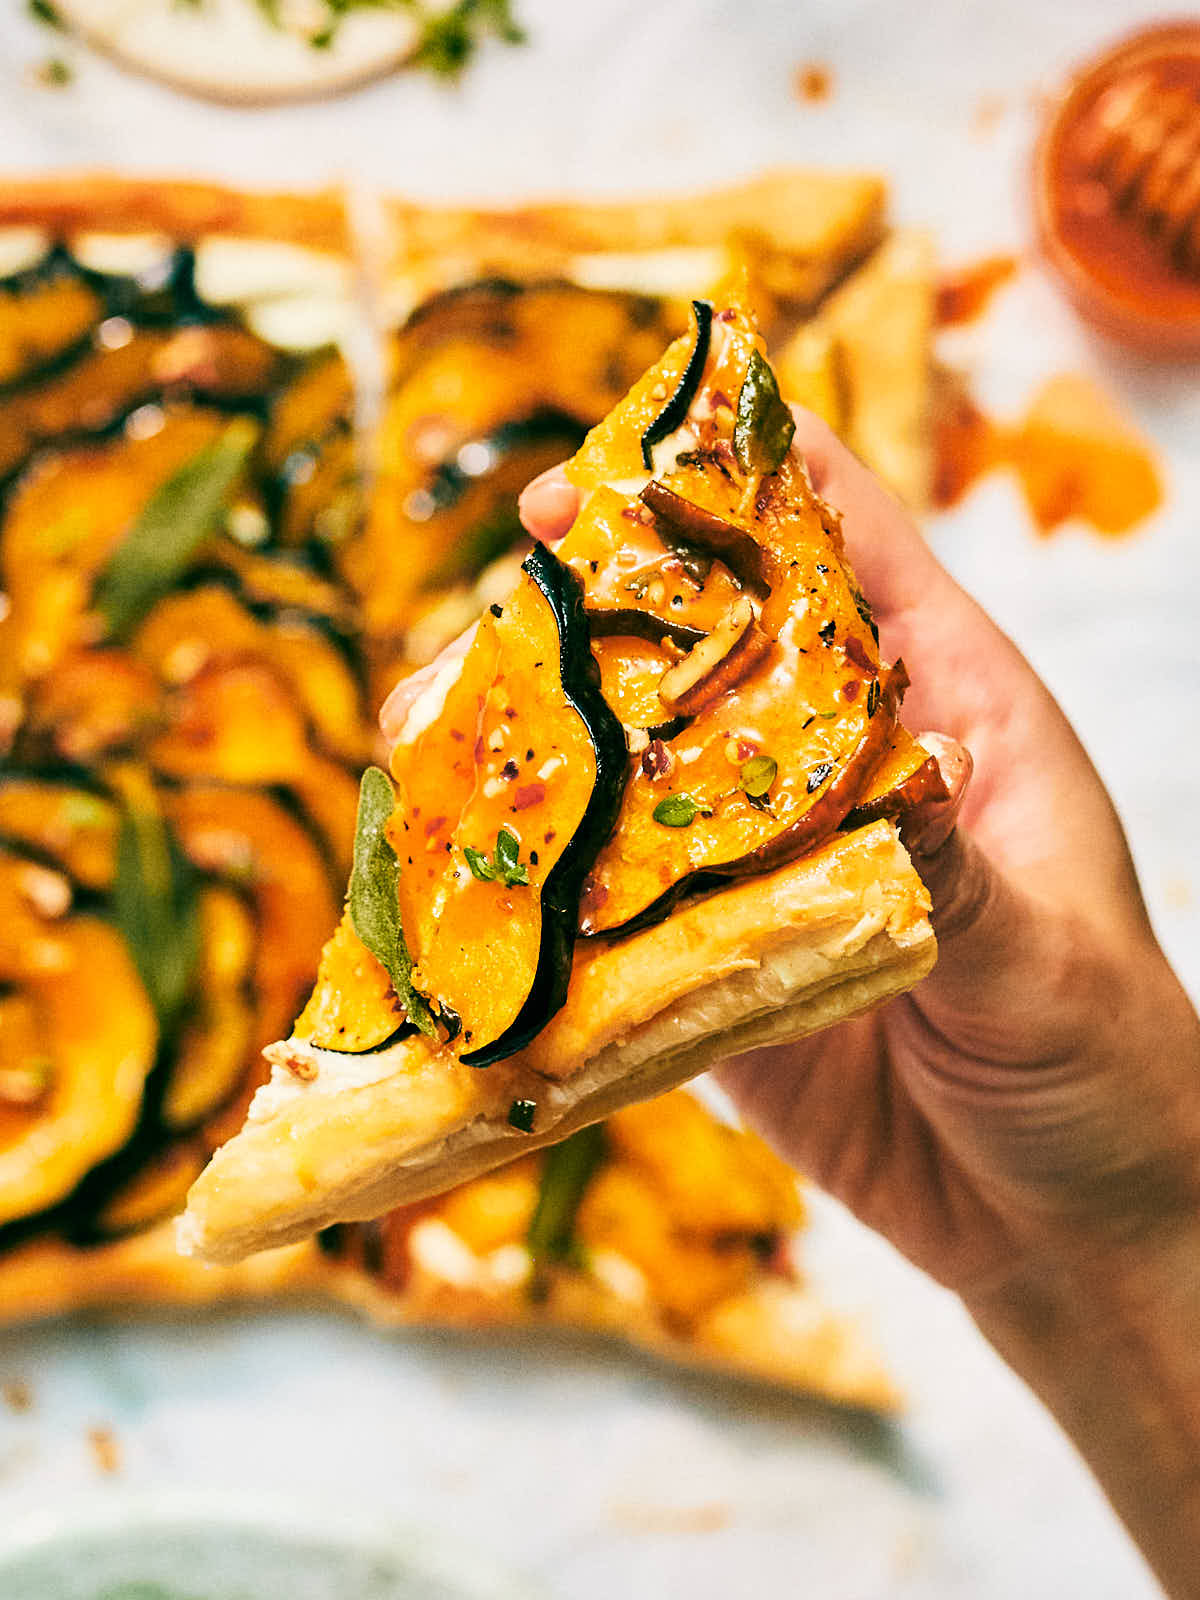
{"points": [[1117, 190]]}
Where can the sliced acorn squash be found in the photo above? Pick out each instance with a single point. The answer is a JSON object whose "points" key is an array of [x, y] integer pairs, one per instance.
{"points": [[786, 710], [216, 1044], [490, 383], [72, 826], [489, 888], [239, 723], [906, 781], [209, 625], [353, 1006], [248, 840], [218, 362], [156, 1192], [96, 1038], [63, 523], [43, 321], [92, 704]]}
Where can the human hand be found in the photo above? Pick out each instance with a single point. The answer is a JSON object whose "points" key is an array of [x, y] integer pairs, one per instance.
{"points": [[1025, 1125], [1039, 1094]]}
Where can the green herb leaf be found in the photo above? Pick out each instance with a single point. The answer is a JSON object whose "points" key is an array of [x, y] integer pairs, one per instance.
{"points": [[569, 1168], [505, 866], [156, 903], [679, 811], [55, 73], [757, 776], [375, 894], [763, 428], [172, 526], [449, 38], [43, 11], [479, 864]]}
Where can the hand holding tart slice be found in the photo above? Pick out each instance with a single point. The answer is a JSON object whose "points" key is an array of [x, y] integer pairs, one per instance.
{"points": [[648, 818]]}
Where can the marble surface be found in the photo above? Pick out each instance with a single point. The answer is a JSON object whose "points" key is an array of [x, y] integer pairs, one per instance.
{"points": [[582, 1470]]}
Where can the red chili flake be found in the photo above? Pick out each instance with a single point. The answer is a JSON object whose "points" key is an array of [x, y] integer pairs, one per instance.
{"points": [[727, 315], [510, 712], [593, 897], [433, 826], [860, 658], [529, 794], [719, 398], [457, 735], [551, 833], [509, 770], [746, 749], [656, 759], [480, 751], [850, 689]]}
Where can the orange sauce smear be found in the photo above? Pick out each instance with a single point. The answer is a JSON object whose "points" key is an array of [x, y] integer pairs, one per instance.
{"points": [[965, 294], [1075, 456]]}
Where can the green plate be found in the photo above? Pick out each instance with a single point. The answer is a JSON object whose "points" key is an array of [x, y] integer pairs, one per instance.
{"points": [[147, 1553]]}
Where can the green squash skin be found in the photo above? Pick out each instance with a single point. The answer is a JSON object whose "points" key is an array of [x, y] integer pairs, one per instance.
{"points": [[580, 676]]}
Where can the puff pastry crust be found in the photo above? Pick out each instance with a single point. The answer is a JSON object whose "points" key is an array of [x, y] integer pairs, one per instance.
{"points": [[767, 960]]}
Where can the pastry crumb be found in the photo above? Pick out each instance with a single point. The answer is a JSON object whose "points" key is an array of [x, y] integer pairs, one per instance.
{"points": [[18, 1395], [301, 1067], [989, 109], [709, 1517], [812, 82], [106, 1452]]}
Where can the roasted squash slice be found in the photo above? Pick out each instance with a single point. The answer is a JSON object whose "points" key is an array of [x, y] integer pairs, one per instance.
{"points": [[156, 1192], [786, 709], [74, 827], [489, 890], [91, 705], [353, 1006], [216, 1043], [95, 1045], [250, 841], [490, 383], [43, 321], [209, 626], [63, 524]]}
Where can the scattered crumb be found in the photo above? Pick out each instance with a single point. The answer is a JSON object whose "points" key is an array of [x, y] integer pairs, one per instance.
{"points": [[53, 73], [1177, 891], [106, 1452], [640, 1518], [989, 109], [18, 1396], [812, 82]]}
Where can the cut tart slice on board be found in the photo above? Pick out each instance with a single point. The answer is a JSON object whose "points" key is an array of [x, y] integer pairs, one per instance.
{"points": [[617, 847]]}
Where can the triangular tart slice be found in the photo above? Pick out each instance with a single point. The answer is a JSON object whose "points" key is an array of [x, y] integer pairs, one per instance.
{"points": [[621, 840]]}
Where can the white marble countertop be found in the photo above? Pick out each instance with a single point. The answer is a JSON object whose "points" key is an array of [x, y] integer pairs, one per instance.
{"points": [[588, 1471]]}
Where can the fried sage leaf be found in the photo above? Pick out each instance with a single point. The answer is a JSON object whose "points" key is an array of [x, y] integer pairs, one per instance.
{"points": [[172, 526], [763, 428], [375, 894], [569, 1168], [156, 902]]}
